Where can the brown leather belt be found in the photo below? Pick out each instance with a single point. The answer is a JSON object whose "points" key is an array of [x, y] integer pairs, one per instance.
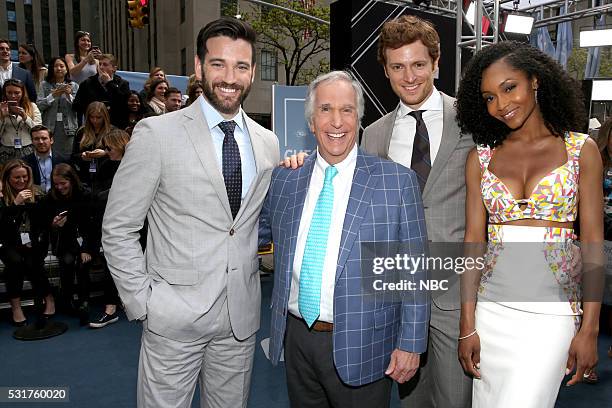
{"points": [[318, 326]]}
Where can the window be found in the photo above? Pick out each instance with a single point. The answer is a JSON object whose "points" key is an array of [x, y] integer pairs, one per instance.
{"points": [[182, 11], [269, 65], [12, 35], [11, 16], [183, 61]]}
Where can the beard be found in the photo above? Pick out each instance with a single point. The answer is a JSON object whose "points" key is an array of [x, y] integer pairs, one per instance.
{"points": [[226, 106]]}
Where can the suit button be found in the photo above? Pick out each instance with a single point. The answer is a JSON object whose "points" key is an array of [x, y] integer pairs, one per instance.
{"points": [[232, 232]]}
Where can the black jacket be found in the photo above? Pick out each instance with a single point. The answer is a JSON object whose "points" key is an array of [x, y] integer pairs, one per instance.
{"points": [[114, 95], [56, 159], [79, 223]]}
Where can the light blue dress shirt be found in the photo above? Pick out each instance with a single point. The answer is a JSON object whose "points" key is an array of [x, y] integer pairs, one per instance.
{"points": [[241, 134], [45, 166]]}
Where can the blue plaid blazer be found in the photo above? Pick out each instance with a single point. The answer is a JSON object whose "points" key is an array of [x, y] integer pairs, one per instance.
{"points": [[384, 205]]}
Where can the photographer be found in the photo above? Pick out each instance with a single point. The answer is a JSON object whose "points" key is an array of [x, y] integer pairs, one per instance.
{"points": [[83, 63], [55, 104], [17, 116]]}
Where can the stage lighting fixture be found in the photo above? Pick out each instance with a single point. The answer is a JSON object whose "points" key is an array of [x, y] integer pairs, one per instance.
{"points": [[596, 38], [516, 23], [601, 90]]}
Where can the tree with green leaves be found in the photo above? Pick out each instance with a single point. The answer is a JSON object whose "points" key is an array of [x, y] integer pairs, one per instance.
{"points": [[302, 44]]}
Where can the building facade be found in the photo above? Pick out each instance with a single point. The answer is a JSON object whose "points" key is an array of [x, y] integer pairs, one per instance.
{"points": [[49, 24]]}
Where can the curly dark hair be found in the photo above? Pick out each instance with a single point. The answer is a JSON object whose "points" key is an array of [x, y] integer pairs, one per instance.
{"points": [[559, 96]]}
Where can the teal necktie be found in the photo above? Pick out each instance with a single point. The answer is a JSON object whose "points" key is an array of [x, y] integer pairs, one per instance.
{"points": [[309, 297]]}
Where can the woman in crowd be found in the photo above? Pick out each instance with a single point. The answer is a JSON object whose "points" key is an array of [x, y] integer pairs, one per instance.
{"points": [[55, 104], [529, 175], [30, 60], [194, 91], [155, 97], [24, 239], [17, 116], [136, 111], [83, 63], [114, 143], [68, 213], [87, 152], [155, 73]]}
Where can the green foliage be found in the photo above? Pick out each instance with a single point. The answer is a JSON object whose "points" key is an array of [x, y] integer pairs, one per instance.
{"points": [[302, 44], [576, 63]]}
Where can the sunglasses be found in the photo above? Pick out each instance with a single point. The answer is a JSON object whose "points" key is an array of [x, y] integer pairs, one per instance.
{"points": [[13, 81], [82, 33]]}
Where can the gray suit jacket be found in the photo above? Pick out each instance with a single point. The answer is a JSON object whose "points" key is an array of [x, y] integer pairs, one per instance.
{"points": [[196, 253], [444, 194]]}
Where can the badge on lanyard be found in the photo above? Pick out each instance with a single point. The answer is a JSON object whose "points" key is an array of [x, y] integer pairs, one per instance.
{"points": [[17, 143], [59, 117], [92, 166], [25, 238]]}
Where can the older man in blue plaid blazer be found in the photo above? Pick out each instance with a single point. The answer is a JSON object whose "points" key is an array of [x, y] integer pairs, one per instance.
{"points": [[358, 344]]}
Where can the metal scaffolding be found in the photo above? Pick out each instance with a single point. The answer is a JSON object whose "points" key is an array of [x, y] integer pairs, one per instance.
{"points": [[491, 9]]}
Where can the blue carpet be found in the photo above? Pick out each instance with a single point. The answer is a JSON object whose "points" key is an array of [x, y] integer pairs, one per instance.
{"points": [[100, 367]]}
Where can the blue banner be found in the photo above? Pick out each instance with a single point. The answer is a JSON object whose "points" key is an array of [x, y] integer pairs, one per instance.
{"points": [[288, 122], [137, 80]]}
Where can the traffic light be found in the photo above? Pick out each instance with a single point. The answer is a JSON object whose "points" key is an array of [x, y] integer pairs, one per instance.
{"points": [[139, 13]]}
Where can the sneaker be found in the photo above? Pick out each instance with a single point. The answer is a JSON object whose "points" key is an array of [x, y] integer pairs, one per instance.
{"points": [[104, 320]]}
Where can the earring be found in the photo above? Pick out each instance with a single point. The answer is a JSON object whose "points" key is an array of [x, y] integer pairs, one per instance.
{"points": [[536, 94]]}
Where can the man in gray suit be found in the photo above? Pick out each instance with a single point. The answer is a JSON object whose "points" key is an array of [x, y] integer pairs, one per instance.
{"points": [[199, 175], [421, 133]]}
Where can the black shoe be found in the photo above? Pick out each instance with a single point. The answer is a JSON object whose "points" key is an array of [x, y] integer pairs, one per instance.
{"points": [[104, 320], [19, 324]]}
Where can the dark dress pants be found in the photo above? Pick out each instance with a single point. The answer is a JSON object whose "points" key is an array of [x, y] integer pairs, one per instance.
{"points": [[312, 379]]}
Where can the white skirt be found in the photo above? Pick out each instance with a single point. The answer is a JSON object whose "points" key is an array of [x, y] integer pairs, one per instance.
{"points": [[523, 357]]}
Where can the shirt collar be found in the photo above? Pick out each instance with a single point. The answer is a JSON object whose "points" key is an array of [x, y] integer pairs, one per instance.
{"points": [[8, 69], [349, 161], [39, 157], [433, 103], [213, 117]]}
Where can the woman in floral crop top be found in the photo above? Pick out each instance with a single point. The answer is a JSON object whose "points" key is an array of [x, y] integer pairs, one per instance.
{"points": [[528, 322]]}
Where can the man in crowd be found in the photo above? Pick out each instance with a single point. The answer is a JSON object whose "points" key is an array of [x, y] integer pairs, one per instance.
{"points": [[43, 159], [421, 133], [174, 99], [342, 348], [105, 87], [12, 70], [199, 175]]}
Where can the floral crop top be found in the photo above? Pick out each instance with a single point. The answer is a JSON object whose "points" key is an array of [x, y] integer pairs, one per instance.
{"points": [[554, 198]]}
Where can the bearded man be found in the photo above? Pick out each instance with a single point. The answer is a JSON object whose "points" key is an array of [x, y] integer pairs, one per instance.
{"points": [[199, 175]]}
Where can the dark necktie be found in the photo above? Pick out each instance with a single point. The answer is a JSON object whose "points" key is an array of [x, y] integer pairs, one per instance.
{"points": [[421, 160], [232, 169]]}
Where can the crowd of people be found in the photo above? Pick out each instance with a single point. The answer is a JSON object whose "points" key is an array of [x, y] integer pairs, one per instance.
{"points": [[63, 128], [504, 163]]}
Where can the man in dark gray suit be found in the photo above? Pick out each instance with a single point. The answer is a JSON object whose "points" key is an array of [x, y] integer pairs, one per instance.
{"points": [[421, 133], [10, 70]]}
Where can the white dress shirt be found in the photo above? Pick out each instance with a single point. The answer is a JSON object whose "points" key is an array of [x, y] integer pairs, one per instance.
{"points": [[342, 183], [243, 139], [404, 129], [6, 74]]}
